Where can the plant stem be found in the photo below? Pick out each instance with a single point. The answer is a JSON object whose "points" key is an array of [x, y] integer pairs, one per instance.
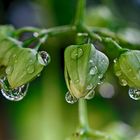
{"points": [[80, 12], [83, 118], [58, 30], [50, 32]]}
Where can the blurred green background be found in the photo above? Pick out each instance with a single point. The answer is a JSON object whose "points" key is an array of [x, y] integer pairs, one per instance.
{"points": [[44, 114]]}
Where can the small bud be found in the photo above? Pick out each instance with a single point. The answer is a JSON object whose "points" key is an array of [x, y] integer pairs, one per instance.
{"points": [[127, 68], [84, 68]]}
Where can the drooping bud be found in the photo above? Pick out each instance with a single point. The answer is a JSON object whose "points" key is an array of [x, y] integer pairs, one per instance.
{"points": [[21, 64], [127, 68], [84, 68]]}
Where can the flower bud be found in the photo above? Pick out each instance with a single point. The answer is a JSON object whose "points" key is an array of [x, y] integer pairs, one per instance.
{"points": [[21, 64], [127, 68], [84, 68]]}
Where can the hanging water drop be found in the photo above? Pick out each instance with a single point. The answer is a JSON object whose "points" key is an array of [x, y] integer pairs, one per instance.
{"points": [[76, 53], [134, 93], [93, 70], [9, 70], [44, 58], [90, 95], [16, 94], [70, 99]]}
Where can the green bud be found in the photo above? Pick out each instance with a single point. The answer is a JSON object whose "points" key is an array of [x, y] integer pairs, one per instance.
{"points": [[24, 67], [21, 65], [84, 68], [127, 68]]}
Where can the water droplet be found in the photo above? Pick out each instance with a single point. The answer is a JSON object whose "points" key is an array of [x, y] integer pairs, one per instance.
{"points": [[70, 99], [123, 82], [44, 58], [134, 93], [90, 95], [115, 60], [91, 61], [76, 81], [100, 76], [118, 73], [76, 53], [35, 34], [14, 58], [101, 80], [89, 87], [16, 94], [9, 70], [93, 70], [30, 69]]}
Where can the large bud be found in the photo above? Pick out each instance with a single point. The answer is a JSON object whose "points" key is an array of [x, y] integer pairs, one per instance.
{"points": [[21, 64], [84, 68], [127, 68]]}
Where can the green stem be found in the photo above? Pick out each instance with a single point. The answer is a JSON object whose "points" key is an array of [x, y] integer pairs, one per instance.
{"points": [[58, 30], [80, 12], [50, 32], [83, 118]]}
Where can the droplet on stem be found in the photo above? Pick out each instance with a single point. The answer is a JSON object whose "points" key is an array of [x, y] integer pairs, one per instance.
{"points": [[70, 99]]}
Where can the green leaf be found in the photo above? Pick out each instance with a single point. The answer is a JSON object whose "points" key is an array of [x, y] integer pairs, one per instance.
{"points": [[5, 31], [84, 68]]}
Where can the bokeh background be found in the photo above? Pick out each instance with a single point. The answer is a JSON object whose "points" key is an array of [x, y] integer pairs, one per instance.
{"points": [[44, 114]]}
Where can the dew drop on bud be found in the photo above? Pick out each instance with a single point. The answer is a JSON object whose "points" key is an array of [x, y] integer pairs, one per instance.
{"points": [[100, 76], [93, 70], [76, 81], [115, 60], [123, 82], [89, 87], [90, 95], [16, 94], [44, 58], [9, 70], [134, 93], [118, 73], [30, 69], [76, 53], [70, 99]]}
